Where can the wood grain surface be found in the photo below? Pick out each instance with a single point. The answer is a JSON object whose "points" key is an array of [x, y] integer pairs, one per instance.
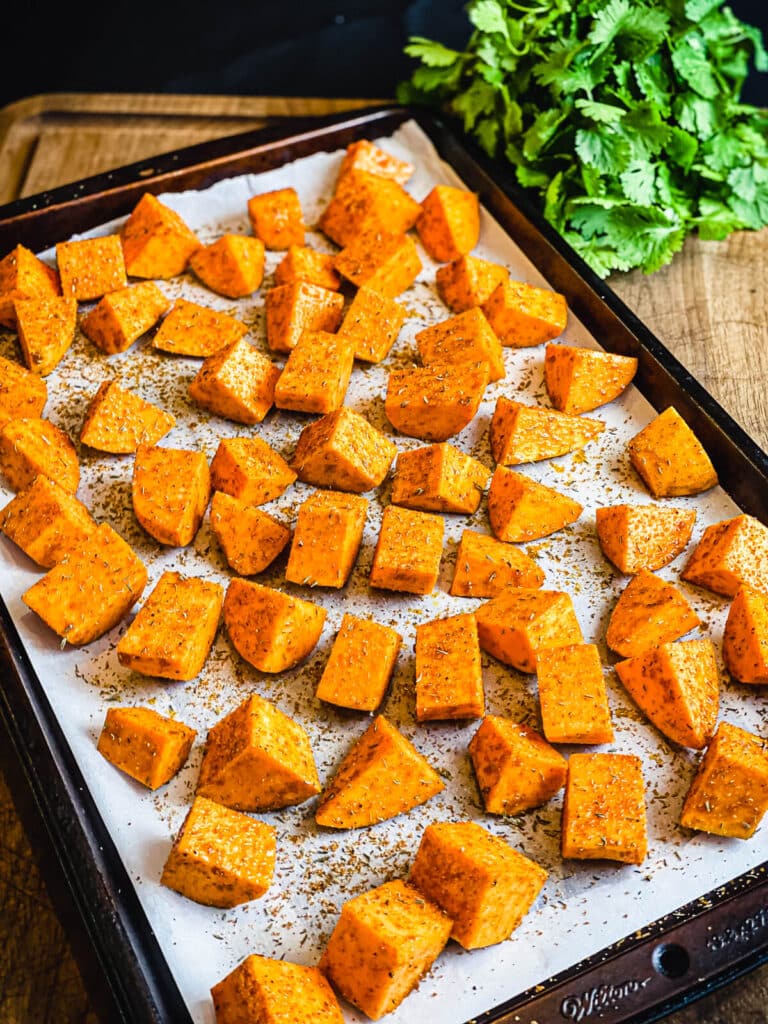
{"points": [[708, 307]]}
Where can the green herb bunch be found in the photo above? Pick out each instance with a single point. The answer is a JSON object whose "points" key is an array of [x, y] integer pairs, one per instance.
{"points": [[623, 116]]}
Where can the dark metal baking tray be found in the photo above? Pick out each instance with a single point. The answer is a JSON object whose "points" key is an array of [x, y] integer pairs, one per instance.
{"points": [[640, 979]]}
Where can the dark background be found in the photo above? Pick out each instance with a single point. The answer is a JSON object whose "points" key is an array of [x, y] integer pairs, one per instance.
{"points": [[274, 48]]}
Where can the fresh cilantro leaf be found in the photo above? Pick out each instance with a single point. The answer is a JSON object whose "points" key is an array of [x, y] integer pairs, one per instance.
{"points": [[478, 99], [695, 10], [609, 153], [434, 55], [604, 113], [681, 147], [488, 16], [639, 182], [541, 131], [689, 59]]}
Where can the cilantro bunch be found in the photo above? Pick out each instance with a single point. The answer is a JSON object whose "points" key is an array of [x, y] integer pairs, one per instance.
{"points": [[623, 116]]}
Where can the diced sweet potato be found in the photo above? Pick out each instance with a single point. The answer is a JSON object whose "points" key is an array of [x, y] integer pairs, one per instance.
{"points": [[373, 321], [449, 673], [271, 630], [263, 991], [24, 276], [46, 522], [91, 267], [22, 394], [317, 373], [122, 316], [467, 337], [327, 538], [145, 745], [90, 589], [574, 703], [232, 266], [408, 551], [220, 857], [383, 943], [46, 327], [174, 629], [636, 537], [516, 769], [343, 451], [521, 509], [677, 687], [519, 622], [236, 382], [486, 566], [434, 403], [300, 306], [604, 815], [745, 640], [250, 539], [649, 612], [582, 379], [33, 447], [194, 330], [248, 469], [523, 315], [301, 263], [363, 155], [530, 433], [156, 241], [385, 262], [670, 458], [382, 775], [360, 665], [449, 222], [277, 218], [171, 488], [257, 759], [729, 795], [731, 554], [468, 281], [367, 202], [439, 478], [477, 879], [118, 421]]}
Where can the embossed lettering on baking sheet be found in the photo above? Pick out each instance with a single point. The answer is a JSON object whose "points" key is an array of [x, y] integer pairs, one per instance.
{"points": [[743, 931], [596, 1000]]}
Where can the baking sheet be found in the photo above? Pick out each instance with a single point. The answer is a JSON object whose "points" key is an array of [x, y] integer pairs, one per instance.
{"points": [[584, 906]]}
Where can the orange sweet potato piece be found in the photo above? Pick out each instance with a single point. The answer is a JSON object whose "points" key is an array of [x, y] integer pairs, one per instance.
{"points": [[171, 488], [382, 260], [277, 218], [530, 433], [408, 551], [24, 276], [327, 538], [46, 522], [466, 337], [449, 673], [521, 509], [122, 316], [22, 394], [574, 703], [261, 990], [194, 330], [486, 566], [669, 457], [156, 241], [373, 321], [649, 612], [519, 622], [636, 537], [118, 421], [604, 816], [523, 315], [439, 478], [46, 326], [360, 664], [248, 469], [731, 554], [236, 382], [363, 155], [434, 403], [582, 379], [301, 263], [468, 281], [33, 447], [317, 373], [232, 266], [367, 202], [343, 451], [745, 640], [250, 539], [449, 222], [145, 745], [300, 306], [91, 267]]}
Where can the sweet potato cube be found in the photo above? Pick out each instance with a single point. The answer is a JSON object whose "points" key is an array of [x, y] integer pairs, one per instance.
{"points": [[574, 703], [248, 469], [171, 488], [373, 321], [156, 240], [486, 566], [90, 590], [468, 281], [522, 509], [530, 433], [343, 451], [519, 622], [516, 768], [46, 327], [449, 673], [316, 374], [523, 316], [467, 337], [327, 538], [367, 156], [174, 629], [367, 202], [434, 403], [237, 382], [408, 551], [360, 665], [22, 394], [33, 447], [449, 222], [745, 640], [604, 815], [118, 421], [24, 276], [250, 539], [669, 457], [300, 306], [582, 379], [264, 991], [257, 759], [649, 612], [145, 745], [382, 775], [46, 522], [439, 478], [194, 330], [271, 630], [232, 266], [301, 263], [381, 260], [91, 267], [729, 795], [731, 554], [121, 317], [636, 537], [477, 879], [220, 857], [277, 218], [676, 685]]}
